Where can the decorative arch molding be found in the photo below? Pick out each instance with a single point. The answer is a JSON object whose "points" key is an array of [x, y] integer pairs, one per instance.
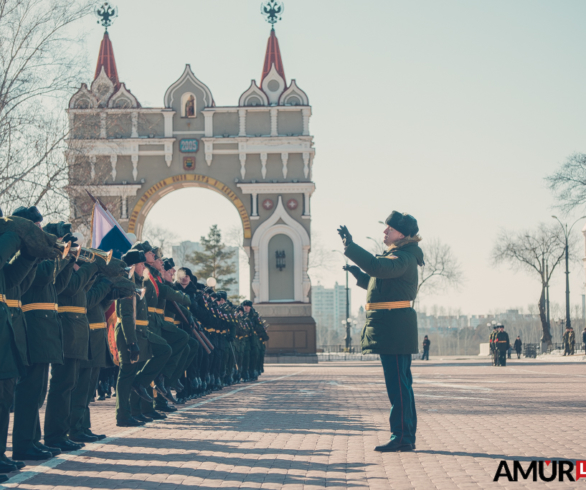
{"points": [[103, 88], [273, 85], [252, 92], [280, 222], [170, 184], [123, 94], [292, 93], [208, 100], [83, 94]]}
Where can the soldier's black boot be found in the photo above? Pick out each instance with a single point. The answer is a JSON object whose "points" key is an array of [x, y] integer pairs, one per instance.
{"points": [[394, 447]]}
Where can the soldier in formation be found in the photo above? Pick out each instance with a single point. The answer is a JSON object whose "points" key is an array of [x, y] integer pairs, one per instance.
{"points": [[492, 344], [54, 298]]}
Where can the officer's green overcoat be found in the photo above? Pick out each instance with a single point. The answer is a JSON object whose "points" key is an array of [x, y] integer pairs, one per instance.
{"points": [[389, 277]]}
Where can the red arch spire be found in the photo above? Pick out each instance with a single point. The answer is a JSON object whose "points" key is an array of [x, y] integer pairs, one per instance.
{"points": [[107, 61], [273, 57]]}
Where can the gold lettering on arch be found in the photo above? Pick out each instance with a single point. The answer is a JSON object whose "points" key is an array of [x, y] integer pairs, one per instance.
{"points": [[202, 179]]}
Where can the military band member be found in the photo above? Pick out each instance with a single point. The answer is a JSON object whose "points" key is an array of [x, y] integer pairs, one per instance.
{"points": [[391, 323]]}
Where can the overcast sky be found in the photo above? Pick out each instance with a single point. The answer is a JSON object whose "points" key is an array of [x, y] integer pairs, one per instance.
{"points": [[453, 111]]}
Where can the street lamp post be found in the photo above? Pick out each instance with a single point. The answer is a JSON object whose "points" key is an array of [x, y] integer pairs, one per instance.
{"points": [[566, 236], [348, 338]]}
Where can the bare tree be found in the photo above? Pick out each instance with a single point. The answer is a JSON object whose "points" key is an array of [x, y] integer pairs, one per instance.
{"points": [[568, 183], [441, 270], [538, 251], [39, 67], [158, 236], [320, 260]]}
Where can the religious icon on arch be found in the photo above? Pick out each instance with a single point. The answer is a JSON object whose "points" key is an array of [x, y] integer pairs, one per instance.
{"points": [[190, 107]]}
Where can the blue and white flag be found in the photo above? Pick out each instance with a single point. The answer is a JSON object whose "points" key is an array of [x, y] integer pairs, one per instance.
{"points": [[107, 234]]}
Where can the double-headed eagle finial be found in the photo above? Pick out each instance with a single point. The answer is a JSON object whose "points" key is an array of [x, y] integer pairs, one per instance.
{"points": [[272, 11]]}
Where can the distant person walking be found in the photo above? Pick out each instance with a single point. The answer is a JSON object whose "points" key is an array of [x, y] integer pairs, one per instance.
{"points": [[391, 280], [426, 344], [566, 340], [518, 346]]}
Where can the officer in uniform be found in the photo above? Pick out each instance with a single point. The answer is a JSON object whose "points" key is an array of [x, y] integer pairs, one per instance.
{"points": [[502, 345], [493, 349], [391, 323]]}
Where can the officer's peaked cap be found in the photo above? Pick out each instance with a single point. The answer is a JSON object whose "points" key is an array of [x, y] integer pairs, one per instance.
{"points": [[133, 257], [403, 223]]}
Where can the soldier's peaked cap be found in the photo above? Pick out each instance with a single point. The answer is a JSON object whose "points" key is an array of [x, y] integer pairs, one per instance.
{"points": [[31, 214], [133, 257], [144, 246], [403, 223], [168, 264]]}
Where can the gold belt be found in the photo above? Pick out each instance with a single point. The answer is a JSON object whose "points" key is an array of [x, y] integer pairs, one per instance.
{"points": [[176, 322], [40, 306], [13, 303], [72, 309], [98, 326], [156, 310], [391, 305], [143, 323], [2, 298], [169, 319]]}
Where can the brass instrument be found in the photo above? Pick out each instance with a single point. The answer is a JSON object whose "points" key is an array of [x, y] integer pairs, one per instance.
{"points": [[130, 271], [90, 254], [75, 252], [63, 248]]}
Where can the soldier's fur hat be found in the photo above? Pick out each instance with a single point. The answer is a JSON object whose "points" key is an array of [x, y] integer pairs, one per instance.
{"points": [[200, 286], [158, 251], [168, 264], [144, 246], [403, 223], [31, 213], [59, 229], [133, 257], [222, 295], [246, 302], [187, 271]]}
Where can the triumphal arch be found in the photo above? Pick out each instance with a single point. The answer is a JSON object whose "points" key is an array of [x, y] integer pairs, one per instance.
{"points": [[257, 153]]}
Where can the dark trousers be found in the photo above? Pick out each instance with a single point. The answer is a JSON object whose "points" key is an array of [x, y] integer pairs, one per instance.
{"points": [[425, 355], [126, 376], [502, 360], [403, 417], [30, 393], [147, 374], [6, 399], [519, 354], [80, 399], [177, 340], [57, 415]]}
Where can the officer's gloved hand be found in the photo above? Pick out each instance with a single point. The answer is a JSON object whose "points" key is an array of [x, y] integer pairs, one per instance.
{"points": [[352, 269], [134, 351], [345, 235]]}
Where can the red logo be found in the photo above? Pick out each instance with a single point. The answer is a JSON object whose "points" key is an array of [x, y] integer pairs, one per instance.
{"points": [[580, 469]]}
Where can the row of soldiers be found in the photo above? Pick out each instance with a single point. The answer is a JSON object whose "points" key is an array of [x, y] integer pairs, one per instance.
{"points": [[53, 307]]}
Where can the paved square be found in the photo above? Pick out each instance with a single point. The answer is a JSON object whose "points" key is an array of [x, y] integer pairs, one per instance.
{"points": [[315, 426]]}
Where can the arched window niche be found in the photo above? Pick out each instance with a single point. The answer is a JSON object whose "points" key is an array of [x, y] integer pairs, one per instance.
{"points": [[188, 105]]}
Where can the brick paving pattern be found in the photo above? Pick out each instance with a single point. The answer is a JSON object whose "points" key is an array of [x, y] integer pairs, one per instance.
{"points": [[315, 426]]}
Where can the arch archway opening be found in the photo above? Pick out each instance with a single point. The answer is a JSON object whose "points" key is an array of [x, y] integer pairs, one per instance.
{"points": [[177, 218]]}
